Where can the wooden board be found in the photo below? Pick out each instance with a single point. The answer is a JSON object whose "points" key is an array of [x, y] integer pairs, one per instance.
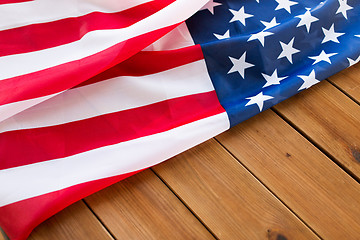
{"points": [[2, 237], [142, 207], [74, 222], [316, 189], [227, 198], [330, 119], [349, 81]]}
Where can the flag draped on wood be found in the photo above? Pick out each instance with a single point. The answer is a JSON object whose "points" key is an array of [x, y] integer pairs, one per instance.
{"points": [[94, 91]]}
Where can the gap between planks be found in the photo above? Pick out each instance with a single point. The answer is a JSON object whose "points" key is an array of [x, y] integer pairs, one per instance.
{"points": [[343, 91], [99, 220], [178, 197], [318, 191], [315, 144], [269, 189], [227, 198], [348, 81], [184, 203], [142, 207], [330, 121], [74, 222], [251, 173]]}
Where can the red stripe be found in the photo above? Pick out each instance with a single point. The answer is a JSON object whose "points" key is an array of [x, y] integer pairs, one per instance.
{"points": [[46, 35], [68, 75], [146, 63], [28, 146], [14, 1], [20, 218]]}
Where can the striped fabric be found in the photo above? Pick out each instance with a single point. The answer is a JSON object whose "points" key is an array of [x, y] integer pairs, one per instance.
{"points": [[76, 106], [121, 30]]}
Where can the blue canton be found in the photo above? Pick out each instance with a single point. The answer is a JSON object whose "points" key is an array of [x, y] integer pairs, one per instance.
{"points": [[260, 52]]}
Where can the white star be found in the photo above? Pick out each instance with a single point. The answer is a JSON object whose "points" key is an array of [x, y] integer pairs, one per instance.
{"points": [[323, 57], [210, 6], [343, 8], [224, 36], [273, 79], [285, 4], [239, 65], [270, 24], [357, 36], [258, 99], [260, 36], [306, 19], [353, 62], [308, 80], [331, 35], [288, 50], [240, 15]]}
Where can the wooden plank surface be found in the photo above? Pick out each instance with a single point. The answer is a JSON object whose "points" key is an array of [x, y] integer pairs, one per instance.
{"points": [[349, 81], [330, 119], [227, 198], [142, 207], [1, 235], [74, 222], [316, 189]]}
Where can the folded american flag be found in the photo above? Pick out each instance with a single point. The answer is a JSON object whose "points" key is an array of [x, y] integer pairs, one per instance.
{"points": [[94, 91]]}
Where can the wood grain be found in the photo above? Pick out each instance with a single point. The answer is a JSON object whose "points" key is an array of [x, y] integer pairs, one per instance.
{"points": [[74, 222], [330, 119], [349, 81], [142, 207], [227, 198], [316, 189], [1, 235]]}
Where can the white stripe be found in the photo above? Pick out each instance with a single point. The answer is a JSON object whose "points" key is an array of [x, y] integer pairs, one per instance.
{"points": [[95, 41], [9, 110], [178, 38], [41, 11], [113, 95], [32, 180]]}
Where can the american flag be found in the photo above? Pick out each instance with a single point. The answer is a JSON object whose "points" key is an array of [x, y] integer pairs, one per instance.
{"points": [[94, 91], [259, 53]]}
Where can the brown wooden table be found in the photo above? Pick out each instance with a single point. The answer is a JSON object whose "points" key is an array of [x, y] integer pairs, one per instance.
{"points": [[291, 172]]}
